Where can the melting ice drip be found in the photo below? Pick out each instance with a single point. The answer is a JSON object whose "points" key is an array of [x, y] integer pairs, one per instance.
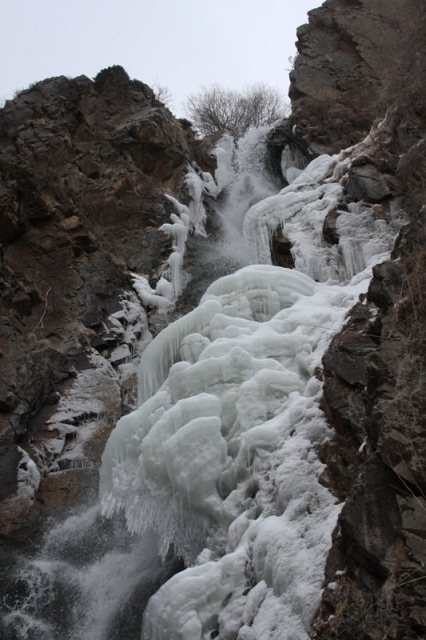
{"points": [[187, 219], [224, 439]]}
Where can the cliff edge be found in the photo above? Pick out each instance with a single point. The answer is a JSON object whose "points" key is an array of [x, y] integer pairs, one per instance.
{"points": [[359, 72]]}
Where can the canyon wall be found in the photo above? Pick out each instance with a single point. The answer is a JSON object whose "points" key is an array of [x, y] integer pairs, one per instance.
{"points": [[83, 169], [359, 60], [84, 166]]}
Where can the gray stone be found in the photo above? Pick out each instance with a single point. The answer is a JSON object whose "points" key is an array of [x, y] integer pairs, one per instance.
{"points": [[370, 519], [329, 229], [367, 183]]}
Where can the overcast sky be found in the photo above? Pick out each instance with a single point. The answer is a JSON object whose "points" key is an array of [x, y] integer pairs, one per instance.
{"points": [[180, 44]]}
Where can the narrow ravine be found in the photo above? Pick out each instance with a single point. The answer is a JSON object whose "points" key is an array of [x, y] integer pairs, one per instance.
{"points": [[216, 471]]}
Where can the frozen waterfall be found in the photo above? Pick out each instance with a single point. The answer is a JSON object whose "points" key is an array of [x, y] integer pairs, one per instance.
{"points": [[217, 469], [222, 451]]}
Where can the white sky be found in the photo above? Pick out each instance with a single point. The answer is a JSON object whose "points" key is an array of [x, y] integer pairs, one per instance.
{"points": [[180, 44]]}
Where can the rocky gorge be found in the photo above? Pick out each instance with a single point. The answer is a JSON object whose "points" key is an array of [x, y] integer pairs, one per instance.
{"points": [[84, 168]]}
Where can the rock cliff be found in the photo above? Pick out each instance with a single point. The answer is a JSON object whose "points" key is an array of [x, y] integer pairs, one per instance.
{"points": [[84, 166], [83, 169], [351, 54], [355, 65]]}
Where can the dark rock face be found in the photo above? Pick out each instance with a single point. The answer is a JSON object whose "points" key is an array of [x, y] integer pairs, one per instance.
{"points": [[374, 371], [367, 183], [344, 61], [329, 229], [281, 250], [286, 134], [374, 396], [83, 168], [386, 284]]}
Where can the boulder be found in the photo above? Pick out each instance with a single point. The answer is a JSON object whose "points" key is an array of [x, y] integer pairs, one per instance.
{"points": [[367, 183], [329, 229]]}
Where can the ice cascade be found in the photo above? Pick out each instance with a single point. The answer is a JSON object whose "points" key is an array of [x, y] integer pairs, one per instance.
{"points": [[299, 212], [223, 443], [228, 434], [217, 465]]}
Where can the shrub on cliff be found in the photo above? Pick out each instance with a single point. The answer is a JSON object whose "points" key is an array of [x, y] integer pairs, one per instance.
{"points": [[216, 109]]}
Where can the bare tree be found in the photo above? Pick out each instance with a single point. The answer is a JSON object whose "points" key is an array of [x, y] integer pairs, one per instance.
{"points": [[163, 94], [215, 109]]}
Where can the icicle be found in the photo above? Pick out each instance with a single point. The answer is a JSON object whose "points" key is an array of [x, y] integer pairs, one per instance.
{"points": [[28, 476], [197, 212], [164, 350]]}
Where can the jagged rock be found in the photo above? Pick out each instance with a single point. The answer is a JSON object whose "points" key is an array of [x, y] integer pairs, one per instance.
{"points": [[386, 285], [367, 183], [71, 223], [370, 520], [83, 169], [329, 229], [376, 460], [286, 134], [342, 66], [21, 302], [348, 359], [9, 462], [281, 250]]}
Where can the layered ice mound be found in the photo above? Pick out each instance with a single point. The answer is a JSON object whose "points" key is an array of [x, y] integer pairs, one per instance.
{"points": [[223, 453], [300, 210], [220, 457]]}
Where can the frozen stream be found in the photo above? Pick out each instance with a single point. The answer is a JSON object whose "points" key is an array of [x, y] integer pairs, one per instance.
{"points": [[218, 462]]}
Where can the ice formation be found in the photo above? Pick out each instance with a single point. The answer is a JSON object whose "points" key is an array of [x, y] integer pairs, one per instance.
{"points": [[186, 219], [222, 448], [243, 180], [28, 476], [161, 297], [299, 212], [219, 459], [227, 432], [292, 163]]}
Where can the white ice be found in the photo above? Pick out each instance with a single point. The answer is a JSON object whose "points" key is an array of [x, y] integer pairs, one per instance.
{"points": [[28, 476], [240, 412], [186, 219], [224, 441], [299, 212]]}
